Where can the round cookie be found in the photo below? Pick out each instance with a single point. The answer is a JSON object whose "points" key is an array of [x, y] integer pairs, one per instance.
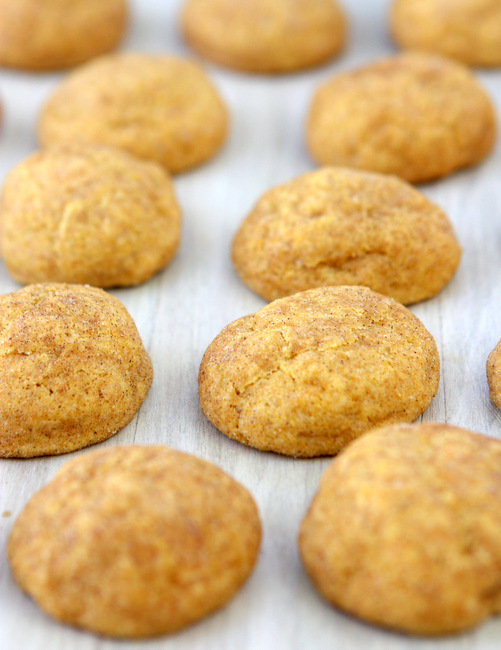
{"points": [[73, 370], [466, 30], [162, 108], [307, 374], [405, 529], [265, 35], [493, 368], [87, 214], [337, 226], [135, 541], [52, 34], [415, 115]]}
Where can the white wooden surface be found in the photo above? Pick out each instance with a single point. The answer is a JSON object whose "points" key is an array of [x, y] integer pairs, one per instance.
{"points": [[183, 308]]}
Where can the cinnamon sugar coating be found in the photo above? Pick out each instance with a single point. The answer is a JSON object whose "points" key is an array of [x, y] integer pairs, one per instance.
{"points": [[134, 541], [307, 374]]}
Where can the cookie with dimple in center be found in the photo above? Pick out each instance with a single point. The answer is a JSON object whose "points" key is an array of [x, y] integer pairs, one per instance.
{"points": [[338, 226], [466, 30], [135, 541], [415, 115], [73, 369], [265, 35], [87, 214], [158, 107], [405, 529], [52, 34], [307, 374]]}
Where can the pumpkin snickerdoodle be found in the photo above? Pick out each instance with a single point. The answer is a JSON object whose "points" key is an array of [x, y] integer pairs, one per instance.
{"points": [[414, 115], [493, 368], [307, 374], [41, 35], [135, 541], [271, 36], [157, 107], [73, 370], [405, 529], [466, 30], [87, 214], [343, 226]]}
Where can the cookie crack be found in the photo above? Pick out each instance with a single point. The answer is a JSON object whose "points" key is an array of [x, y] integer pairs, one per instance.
{"points": [[340, 264], [242, 393], [60, 234]]}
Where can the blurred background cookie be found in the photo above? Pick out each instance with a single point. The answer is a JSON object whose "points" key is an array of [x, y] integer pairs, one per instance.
{"points": [[265, 35], [307, 374], [73, 370], [466, 30], [54, 34], [135, 541], [157, 107], [405, 529], [337, 226], [414, 115], [494, 375], [87, 214]]}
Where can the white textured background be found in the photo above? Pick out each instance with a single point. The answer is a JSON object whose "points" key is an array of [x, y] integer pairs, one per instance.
{"points": [[180, 310]]}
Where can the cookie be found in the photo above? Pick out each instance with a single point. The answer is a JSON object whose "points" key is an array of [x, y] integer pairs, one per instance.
{"points": [[417, 116], [494, 375], [466, 30], [337, 226], [135, 541], [405, 529], [87, 214], [160, 108], [307, 374], [271, 36], [73, 370], [53, 34]]}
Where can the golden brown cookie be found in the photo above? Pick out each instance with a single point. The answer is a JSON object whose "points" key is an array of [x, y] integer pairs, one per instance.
{"points": [[265, 35], [54, 34], [87, 214], [466, 30], [417, 116], [494, 375], [341, 226], [157, 107], [73, 370], [307, 374], [405, 529], [135, 541]]}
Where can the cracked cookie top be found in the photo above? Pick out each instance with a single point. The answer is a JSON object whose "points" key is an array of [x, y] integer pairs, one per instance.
{"points": [[337, 226], [73, 370], [87, 214], [308, 373]]}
